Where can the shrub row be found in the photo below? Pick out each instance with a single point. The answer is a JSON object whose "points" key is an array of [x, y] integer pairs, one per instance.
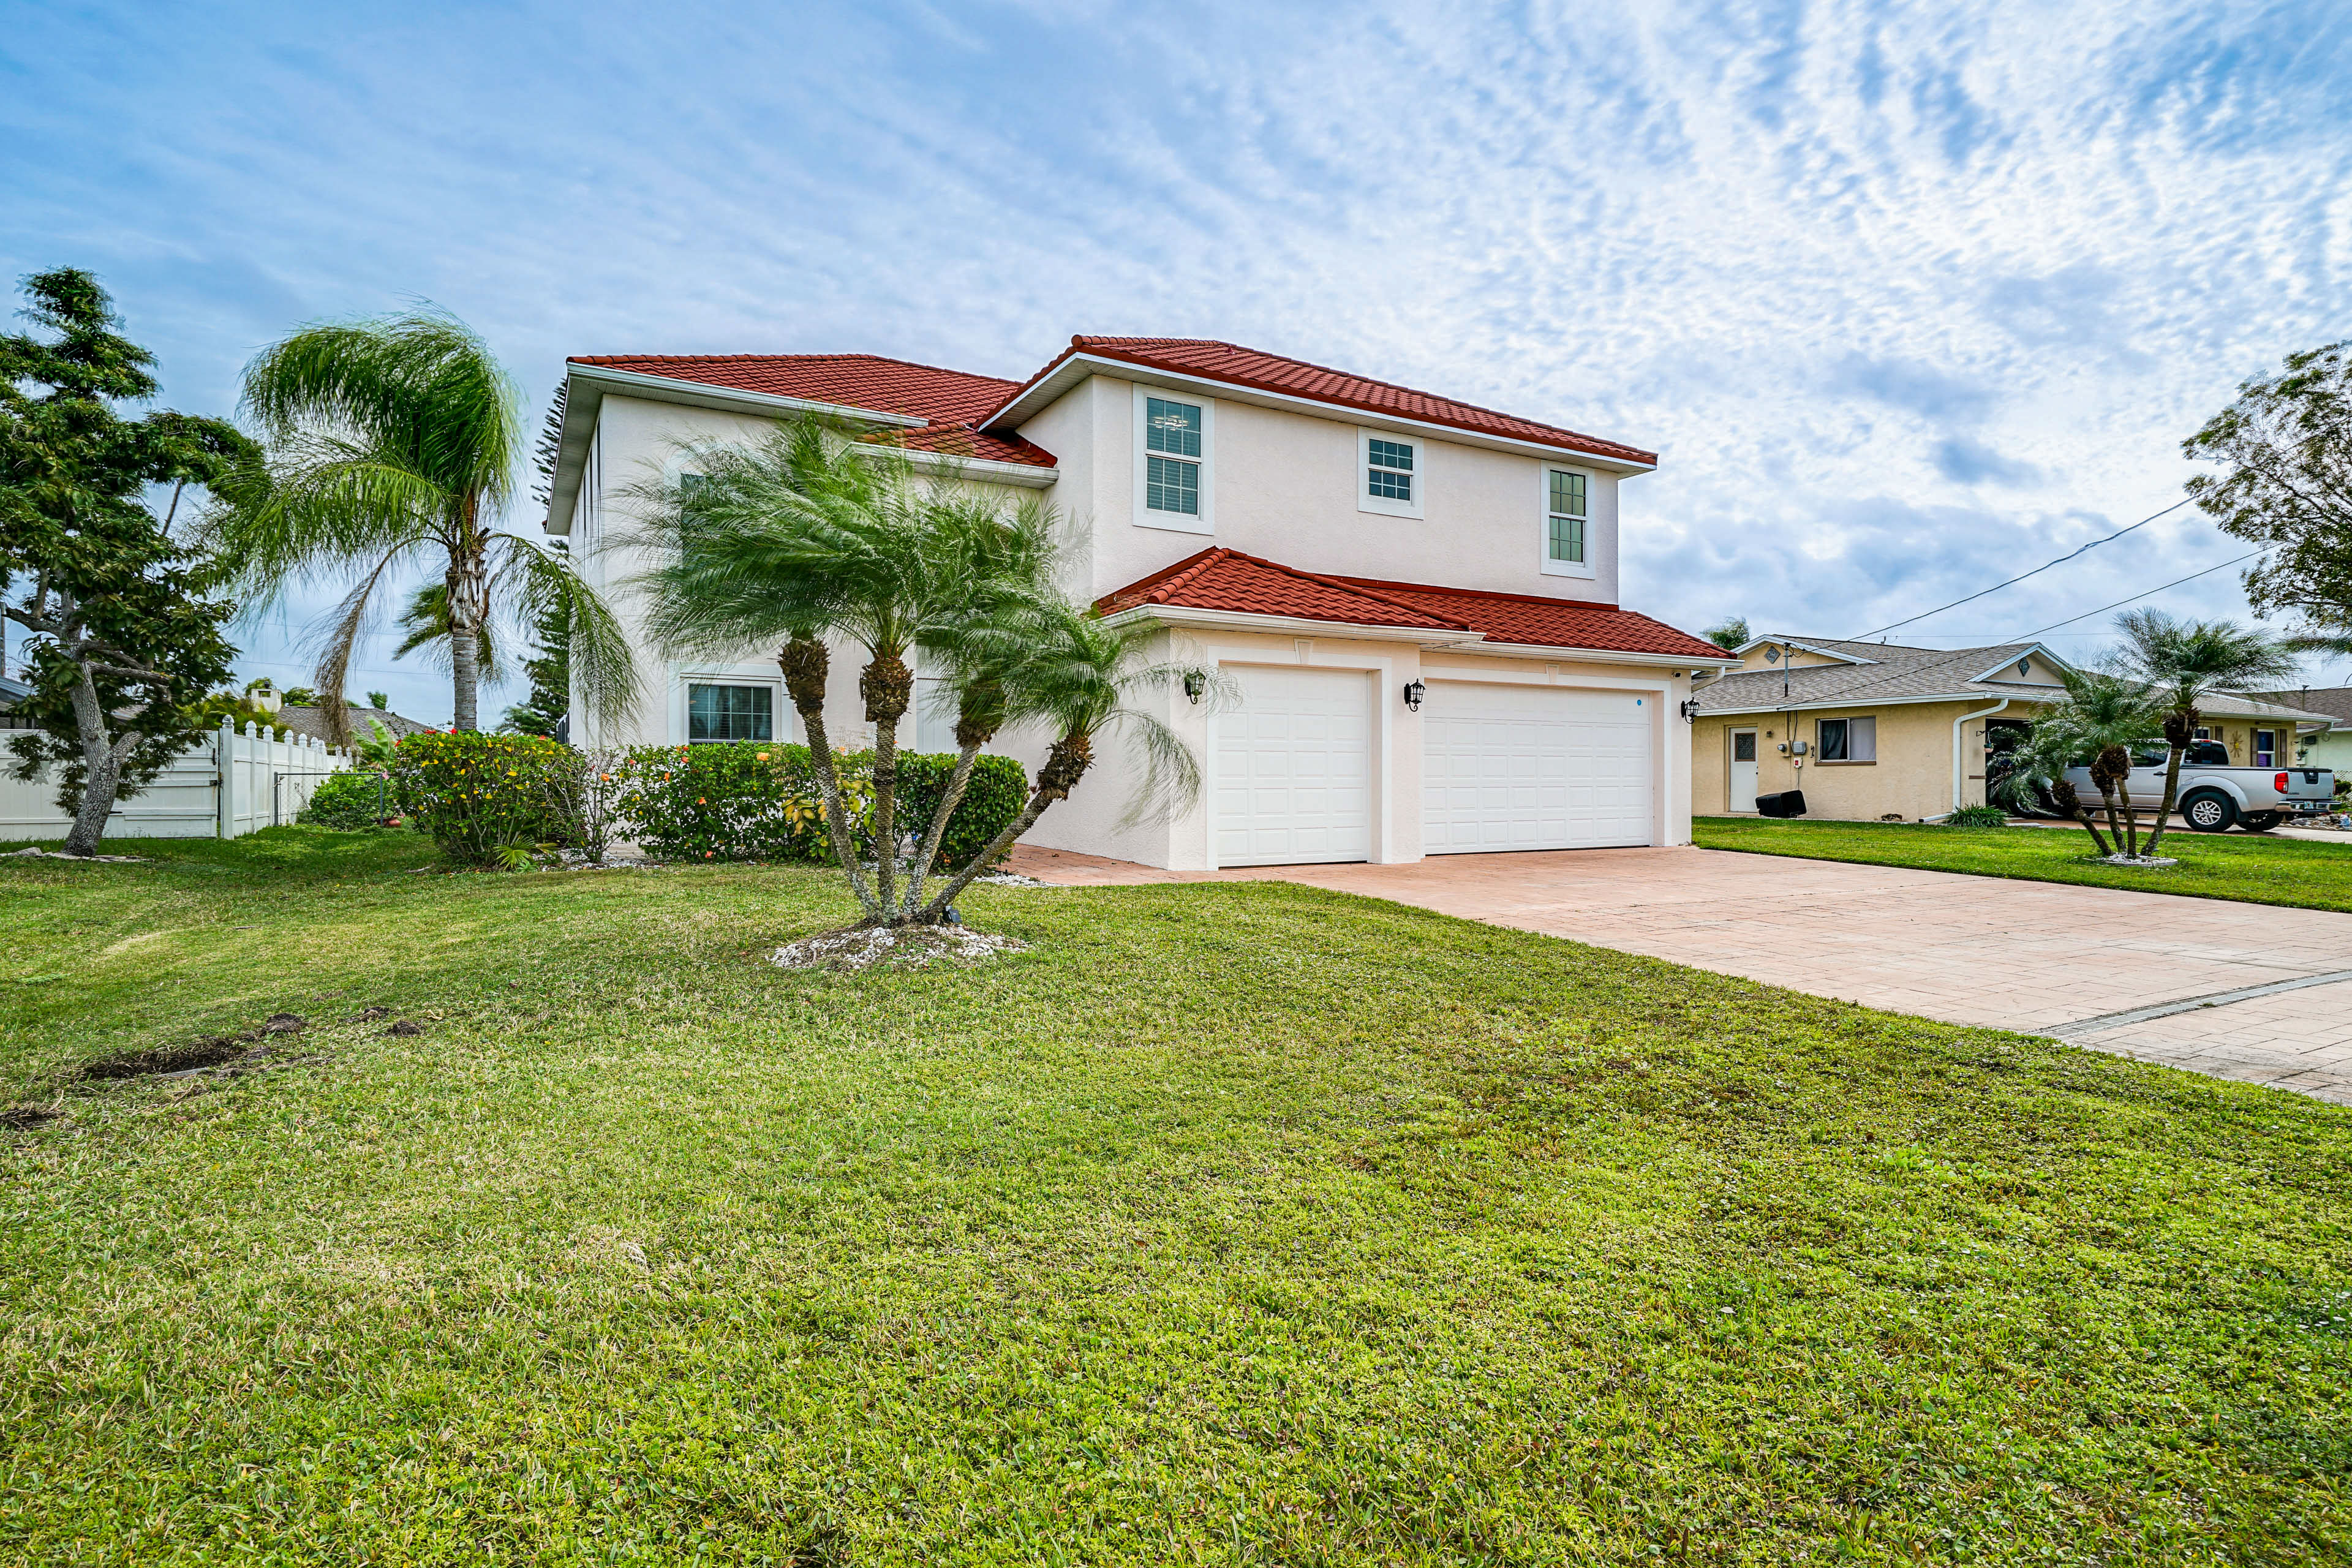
{"points": [[482, 796], [356, 798], [758, 800]]}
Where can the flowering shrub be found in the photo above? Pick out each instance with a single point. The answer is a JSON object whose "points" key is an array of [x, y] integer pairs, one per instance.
{"points": [[356, 798], [736, 800], [480, 795]]}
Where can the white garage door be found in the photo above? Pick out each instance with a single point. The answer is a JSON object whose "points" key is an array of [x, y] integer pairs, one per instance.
{"points": [[1294, 768], [1534, 767]]}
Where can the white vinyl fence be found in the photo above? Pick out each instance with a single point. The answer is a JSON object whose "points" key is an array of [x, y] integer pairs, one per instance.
{"points": [[234, 783]]}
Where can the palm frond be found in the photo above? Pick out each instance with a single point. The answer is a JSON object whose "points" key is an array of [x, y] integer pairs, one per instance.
{"points": [[421, 389], [426, 623], [2190, 661], [543, 584], [337, 640]]}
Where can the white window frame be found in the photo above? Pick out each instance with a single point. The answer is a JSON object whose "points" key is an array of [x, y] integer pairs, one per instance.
{"points": [[1176, 521], [2254, 749], [1584, 568], [1383, 505], [780, 712]]}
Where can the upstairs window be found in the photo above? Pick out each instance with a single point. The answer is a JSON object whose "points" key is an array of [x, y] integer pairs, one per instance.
{"points": [[1568, 519], [1175, 462], [1171, 440], [1388, 474]]}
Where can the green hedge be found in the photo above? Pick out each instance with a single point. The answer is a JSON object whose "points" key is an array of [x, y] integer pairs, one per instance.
{"points": [[480, 795], [995, 796], [758, 800], [354, 798]]}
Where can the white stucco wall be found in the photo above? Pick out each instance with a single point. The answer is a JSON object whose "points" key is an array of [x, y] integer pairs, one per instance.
{"points": [[1285, 487]]}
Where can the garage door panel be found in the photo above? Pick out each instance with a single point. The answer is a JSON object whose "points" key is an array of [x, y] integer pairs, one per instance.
{"points": [[1509, 767], [1294, 768]]}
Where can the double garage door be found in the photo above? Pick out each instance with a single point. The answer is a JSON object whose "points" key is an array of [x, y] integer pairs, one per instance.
{"points": [[1506, 767]]}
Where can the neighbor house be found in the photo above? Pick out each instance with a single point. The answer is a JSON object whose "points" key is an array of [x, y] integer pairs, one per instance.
{"points": [[2328, 748], [1871, 730], [1415, 599]]}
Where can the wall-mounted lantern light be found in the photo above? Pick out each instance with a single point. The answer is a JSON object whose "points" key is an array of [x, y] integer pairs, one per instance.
{"points": [[1690, 710], [1195, 684], [1413, 692]]}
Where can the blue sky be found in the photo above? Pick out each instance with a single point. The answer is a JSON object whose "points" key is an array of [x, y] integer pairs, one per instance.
{"points": [[1910, 297]]}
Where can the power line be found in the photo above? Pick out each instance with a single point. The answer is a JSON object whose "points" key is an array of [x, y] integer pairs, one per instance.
{"points": [[2022, 576], [2119, 604]]}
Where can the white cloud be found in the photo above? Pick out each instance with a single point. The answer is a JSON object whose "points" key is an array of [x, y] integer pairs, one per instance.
{"points": [[1909, 296]]}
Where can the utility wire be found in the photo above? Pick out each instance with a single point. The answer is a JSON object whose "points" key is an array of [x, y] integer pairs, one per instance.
{"points": [[2119, 604], [2022, 576]]}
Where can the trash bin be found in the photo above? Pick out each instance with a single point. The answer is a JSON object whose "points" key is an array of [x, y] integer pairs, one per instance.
{"points": [[1788, 803]]}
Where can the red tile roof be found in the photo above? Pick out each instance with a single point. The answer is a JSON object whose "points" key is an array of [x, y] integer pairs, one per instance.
{"points": [[1239, 367], [1546, 623], [1222, 579], [951, 400]]}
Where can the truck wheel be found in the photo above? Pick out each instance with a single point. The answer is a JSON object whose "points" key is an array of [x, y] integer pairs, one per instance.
{"points": [[2260, 821], [2209, 810]]}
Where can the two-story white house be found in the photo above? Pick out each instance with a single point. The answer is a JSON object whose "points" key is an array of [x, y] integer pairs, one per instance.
{"points": [[1415, 598]]}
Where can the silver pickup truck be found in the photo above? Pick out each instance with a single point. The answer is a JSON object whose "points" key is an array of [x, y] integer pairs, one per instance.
{"points": [[2214, 796]]}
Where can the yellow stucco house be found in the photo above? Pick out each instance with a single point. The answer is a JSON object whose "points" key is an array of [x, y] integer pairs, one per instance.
{"points": [[1872, 732]]}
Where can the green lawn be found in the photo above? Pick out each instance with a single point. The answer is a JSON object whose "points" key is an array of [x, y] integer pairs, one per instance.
{"points": [[2250, 867], [1233, 1223]]}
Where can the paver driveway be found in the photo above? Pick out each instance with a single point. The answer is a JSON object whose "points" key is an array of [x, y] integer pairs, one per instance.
{"points": [[2242, 991]]}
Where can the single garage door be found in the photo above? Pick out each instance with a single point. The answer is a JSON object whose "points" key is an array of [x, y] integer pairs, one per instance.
{"points": [[1534, 767], [1294, 768]]}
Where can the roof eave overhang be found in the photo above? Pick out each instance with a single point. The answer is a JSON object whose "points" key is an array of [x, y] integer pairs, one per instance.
{"points": [[1754, 643], [1194, 620], [1595, 655], [1075, 367], [2056, 695], [993, 470], [587, 385]]}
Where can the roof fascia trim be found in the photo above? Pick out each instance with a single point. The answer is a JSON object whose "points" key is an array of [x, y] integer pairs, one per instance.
{"points": [[1587, 655], [1076, 366], [1186, 617], [2025, 650], [994, 470], [1754, 643]]}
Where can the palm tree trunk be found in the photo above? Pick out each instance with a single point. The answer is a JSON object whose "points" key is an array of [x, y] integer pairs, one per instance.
{"points": [[1065, 765], [2062, 796], [2114, 826], [2179, 729], [806, 664], [958, 781], [468, 584], [887, 686]]}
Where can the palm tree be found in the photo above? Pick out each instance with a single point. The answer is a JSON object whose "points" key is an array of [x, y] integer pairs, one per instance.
{"points": [[2102, 715], [2186, 662], [810, 533], [394, 443], [1078, 677]]}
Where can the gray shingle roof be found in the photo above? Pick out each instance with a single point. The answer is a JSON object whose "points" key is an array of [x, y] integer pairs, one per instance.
{"points": [[1888, 673], [2335, 702], [312, 721]]}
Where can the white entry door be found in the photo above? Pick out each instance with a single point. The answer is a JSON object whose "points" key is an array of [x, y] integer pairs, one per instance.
{"points": [[1534, 767], [1743, 769], [1294, 767]]}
